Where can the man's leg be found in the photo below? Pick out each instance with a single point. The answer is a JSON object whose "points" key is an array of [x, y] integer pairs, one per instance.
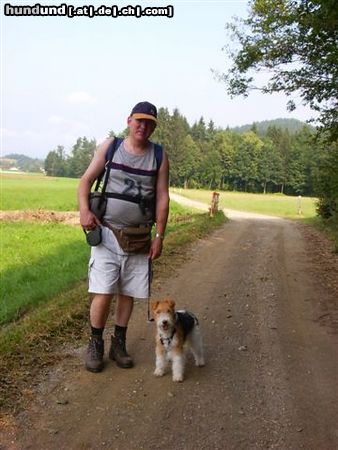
{"points": [[118, 351], [124, 309], [99, 311]]}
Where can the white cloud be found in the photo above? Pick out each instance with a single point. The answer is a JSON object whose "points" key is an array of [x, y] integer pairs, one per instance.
{"points": [[80, 97]]}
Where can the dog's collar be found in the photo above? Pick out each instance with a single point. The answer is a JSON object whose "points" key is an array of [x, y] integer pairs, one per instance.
{"points": [[165, 341]]}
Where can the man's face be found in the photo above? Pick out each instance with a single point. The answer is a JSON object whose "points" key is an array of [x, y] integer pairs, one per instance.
{"points": [[141, 129]]}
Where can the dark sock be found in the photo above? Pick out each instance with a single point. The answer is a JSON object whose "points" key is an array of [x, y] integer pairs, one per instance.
{"points": [[120, 331], [97, 332]]}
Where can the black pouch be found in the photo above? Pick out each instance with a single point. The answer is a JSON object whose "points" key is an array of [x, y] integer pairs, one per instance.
{"points": [[94, 237]]}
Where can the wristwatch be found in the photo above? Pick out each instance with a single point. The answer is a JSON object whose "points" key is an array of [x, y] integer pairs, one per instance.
{"points": [[159, 235]]}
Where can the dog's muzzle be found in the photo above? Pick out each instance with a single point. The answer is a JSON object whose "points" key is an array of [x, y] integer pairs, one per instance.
{"points": [[165, 325]]}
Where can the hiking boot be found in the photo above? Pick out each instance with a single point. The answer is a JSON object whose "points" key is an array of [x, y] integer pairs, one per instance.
{"points": [[94, 355], [119, 353]]}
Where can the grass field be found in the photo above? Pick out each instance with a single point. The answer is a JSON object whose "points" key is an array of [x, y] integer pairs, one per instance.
{"points": [[59, 194], [271, 204], [38, 192], [38, 261]]}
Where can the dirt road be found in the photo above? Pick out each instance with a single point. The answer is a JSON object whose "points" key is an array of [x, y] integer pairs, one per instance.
{"points": [[269, 319]]}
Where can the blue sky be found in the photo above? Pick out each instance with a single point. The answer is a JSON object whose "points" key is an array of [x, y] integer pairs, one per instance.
{"points": [[64, 78]]}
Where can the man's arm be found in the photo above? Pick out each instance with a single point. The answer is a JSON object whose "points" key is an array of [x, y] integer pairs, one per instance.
{"points": [[162, 207], [87, 219]]}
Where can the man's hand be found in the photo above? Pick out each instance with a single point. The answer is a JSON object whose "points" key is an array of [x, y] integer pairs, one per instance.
{"points": [[156, 248], [88, 220]]}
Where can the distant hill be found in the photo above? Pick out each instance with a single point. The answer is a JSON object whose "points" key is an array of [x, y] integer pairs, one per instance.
{"points": [[292, 125], [21, 162]]}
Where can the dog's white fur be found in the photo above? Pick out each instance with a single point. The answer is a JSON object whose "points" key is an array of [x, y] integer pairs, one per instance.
{"points": [[171, 344]]}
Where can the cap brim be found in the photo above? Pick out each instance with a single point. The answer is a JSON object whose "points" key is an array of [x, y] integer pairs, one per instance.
{"points": [[144, 116]]}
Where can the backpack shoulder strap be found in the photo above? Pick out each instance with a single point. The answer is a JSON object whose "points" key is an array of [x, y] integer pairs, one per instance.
{"points": [[158, 155], [112, 148], [109, 157]]}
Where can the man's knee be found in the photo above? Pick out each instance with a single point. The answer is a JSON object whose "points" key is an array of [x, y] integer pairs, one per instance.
{"points": [[101, 302]]}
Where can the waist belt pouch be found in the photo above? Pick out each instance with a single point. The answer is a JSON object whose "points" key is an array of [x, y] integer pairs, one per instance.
{"points": [[134, 239], [97, 204]]}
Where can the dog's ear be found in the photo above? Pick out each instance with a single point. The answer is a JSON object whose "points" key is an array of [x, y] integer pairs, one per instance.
{"points": [[154, 305], [172, 304]]}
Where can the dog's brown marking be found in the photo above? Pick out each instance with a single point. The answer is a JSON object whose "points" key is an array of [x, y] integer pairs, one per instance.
{"points": [[167, 306]]}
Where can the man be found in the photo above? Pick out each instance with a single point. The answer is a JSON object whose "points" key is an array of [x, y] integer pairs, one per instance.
{"points": [[112, 270]]}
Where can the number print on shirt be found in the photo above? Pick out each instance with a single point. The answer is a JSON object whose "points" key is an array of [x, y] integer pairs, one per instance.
{"points": [[132, 188]]}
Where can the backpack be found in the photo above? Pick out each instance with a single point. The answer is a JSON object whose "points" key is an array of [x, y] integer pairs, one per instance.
{"points": [[102, 195]]}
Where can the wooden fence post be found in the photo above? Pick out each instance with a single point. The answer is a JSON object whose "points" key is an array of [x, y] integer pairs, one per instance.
{"points": [[214, 204]]}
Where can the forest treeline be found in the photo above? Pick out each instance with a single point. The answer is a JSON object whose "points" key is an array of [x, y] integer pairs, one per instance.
{"points": [[203, 156]]}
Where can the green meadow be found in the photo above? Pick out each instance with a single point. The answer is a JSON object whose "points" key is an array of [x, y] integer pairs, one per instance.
{"points": [[270, 204], [59, 194], [28, 192]]}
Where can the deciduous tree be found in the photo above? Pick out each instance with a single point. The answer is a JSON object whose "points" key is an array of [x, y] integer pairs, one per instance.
{"points": [[293, 43]]}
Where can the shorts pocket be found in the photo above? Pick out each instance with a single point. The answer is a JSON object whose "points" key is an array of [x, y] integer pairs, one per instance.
{"points": [[90, 264]]}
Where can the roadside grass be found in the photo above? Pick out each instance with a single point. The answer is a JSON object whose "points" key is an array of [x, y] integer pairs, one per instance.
{"points": [[30, 346], [270, 204], [32, 192], [35, 340], [329, 227], [38, 261]]}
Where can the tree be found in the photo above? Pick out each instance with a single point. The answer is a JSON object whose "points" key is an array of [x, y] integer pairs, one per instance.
{"points": [[246, 161], [210, 167], [199, 131], [162, 131], [294, 42], [188, 160], [178, 128], [270, 165], [226, 142], [82, 154], [56, 163], [281, 140], [326, 181], [303, 158]]}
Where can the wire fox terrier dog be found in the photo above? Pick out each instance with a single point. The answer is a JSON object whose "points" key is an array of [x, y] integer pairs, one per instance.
{"points": [[175, 331]]}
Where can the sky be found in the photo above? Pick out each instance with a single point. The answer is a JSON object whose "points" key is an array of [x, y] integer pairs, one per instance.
{"points": [[68, 77]]}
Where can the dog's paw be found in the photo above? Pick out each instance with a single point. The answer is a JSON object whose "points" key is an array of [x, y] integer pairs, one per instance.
{"points": [[158, 372], [200, 362], [178, 378]]}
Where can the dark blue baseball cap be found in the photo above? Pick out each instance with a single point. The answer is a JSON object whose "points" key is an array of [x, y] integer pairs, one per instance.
{"points": [[144, 110]]}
